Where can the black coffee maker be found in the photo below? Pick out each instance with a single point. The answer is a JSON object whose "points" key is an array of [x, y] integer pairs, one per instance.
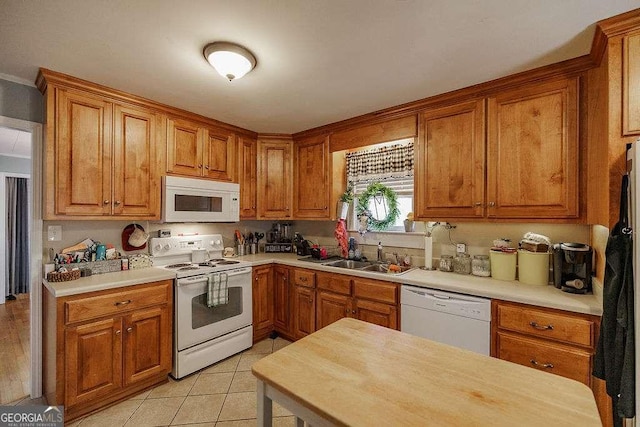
{"points": [[572, 267]]}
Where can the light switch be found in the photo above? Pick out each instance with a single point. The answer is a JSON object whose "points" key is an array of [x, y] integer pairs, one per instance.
{"points": [[54, 233]]}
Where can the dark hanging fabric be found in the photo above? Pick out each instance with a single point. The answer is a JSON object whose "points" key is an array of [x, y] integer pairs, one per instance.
{"points": [[17, 232], [614, 361], [393, 161]]}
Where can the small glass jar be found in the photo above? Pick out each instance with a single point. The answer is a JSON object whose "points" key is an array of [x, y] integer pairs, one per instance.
{"points": [[480, 266], [446, 263], [462, 264]]}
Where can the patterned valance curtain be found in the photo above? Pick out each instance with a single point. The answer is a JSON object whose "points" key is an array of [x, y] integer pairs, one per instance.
{"points": [[393, 161]]}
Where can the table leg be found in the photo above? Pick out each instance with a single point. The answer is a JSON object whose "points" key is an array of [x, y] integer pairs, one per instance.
{"points": [[265, 407], [299, 422]]}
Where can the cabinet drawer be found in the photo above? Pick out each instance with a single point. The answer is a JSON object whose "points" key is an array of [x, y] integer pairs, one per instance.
{"points": [[304, 278], [548, 325], [557, 359], [114, 302], [335, 283], [375, 290]]}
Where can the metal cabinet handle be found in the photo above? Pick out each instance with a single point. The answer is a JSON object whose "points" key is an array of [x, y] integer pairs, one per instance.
{"points": [[346, 310], [120, 303], [129, 329], [303, 279], [492, 204], [206, 167], [534, 362], [200, 166], [326, 207], [310, 299], [106, 202], [477, 204], [541, 328], [353, 312], [118, 332], [117, 203]]}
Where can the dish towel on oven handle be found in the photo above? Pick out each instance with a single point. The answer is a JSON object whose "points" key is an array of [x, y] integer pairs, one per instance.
{"points": [[217, 289]]}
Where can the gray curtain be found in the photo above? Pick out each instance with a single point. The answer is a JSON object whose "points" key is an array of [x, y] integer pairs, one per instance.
{"points": [[17, 256]]}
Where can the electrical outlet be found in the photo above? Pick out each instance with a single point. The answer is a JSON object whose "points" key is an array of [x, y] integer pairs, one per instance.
{"points": [[54, 233], [461, 247]]}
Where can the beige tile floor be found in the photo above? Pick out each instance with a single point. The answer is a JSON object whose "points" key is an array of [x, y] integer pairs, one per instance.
{"points": [[223, 395]]}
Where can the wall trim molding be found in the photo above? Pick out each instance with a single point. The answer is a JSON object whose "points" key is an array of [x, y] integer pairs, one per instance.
{"points": [[35, 231], [18, 80]]}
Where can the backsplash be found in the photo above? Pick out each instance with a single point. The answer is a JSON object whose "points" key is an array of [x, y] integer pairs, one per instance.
{"points": [[477, 236]]}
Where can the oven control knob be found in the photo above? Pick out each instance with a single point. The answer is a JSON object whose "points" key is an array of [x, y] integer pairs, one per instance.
{"points": [[217, 242], [157, 247], [167, 247]]}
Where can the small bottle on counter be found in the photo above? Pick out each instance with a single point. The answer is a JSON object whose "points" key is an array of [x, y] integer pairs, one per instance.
{"points": [[125, 264], [481, 266], [446, 263], [462, 263]]}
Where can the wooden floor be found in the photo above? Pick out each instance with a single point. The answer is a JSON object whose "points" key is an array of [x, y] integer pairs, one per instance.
{"points": [[14, 349]]}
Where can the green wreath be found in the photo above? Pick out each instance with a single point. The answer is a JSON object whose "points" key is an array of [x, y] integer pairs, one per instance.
{"points": [[362, 208]]}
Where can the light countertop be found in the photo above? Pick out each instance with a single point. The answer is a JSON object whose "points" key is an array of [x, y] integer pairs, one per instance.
{"points": [[353, 373], [544, 296], [100, 282]]}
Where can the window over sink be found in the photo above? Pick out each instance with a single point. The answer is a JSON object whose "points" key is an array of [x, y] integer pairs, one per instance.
{"points": [[391, 164]]}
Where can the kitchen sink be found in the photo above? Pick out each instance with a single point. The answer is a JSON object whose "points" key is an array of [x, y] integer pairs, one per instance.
{"points": [[349, 263], [373, 267]]}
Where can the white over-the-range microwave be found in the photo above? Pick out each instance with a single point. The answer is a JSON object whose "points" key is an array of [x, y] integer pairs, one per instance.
{"points": [[199, 200]]}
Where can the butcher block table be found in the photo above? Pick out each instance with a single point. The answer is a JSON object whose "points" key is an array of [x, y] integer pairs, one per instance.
{"points": [[353, 373]]}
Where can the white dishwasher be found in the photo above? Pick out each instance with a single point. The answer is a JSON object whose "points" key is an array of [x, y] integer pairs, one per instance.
{"points": [[458, 320]]}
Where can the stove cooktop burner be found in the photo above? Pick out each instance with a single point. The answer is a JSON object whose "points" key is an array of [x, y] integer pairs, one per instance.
{"points": [[227, 262], [180, 266]]}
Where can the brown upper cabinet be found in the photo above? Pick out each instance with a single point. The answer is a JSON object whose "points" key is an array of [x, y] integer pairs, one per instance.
{"points": [[532, 151], [528, 160], [631, 84], [274, 178], [311, 178], [100, 158], [450, 162], [247, 168], [200, 151]]}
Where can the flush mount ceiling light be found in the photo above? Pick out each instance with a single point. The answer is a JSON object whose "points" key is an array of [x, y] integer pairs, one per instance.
{"points": [[232, 61]]}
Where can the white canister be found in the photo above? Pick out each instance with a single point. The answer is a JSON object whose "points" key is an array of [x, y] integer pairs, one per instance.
{"points": [[503, 265], [533, 267]]}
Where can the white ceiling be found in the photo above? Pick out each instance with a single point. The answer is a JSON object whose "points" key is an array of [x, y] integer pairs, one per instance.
{"points": [[319, 61], [15, 143]]}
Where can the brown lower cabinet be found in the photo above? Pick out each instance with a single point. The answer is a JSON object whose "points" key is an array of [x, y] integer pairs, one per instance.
{"points": [[263, 302], [549, 340], [372, 301], [101, 347]]}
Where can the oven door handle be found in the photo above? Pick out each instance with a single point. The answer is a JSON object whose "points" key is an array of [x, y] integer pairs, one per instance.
{"points": [[232, 273], [191, 280]]}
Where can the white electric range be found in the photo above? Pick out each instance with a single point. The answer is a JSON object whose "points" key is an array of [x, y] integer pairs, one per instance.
{"points": [[205, 334]]}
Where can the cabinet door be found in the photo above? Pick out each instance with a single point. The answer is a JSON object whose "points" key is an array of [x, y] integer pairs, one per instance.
{"points": [[219, 152], [631, 84], [93, 360], [80, 172], [377, 313], [312, 189], [532, 152], [184, 147], [148, 344], [283, 320], [450, 162], [331, 307], [305, 309], [135, 179], [262, 302], [274, 179], [247, 165]]}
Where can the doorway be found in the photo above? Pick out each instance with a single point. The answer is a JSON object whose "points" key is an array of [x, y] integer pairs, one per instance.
{"points": [[21, 362]]}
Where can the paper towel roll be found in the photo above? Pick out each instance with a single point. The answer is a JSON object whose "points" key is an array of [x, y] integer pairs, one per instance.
{"points": [[428, 252]]}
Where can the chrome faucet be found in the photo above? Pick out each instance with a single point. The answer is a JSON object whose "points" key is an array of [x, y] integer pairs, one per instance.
{"points": [[380, 252]]}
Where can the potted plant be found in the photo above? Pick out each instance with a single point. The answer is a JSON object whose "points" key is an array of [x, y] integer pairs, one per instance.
{"points": [[345, 200]]}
